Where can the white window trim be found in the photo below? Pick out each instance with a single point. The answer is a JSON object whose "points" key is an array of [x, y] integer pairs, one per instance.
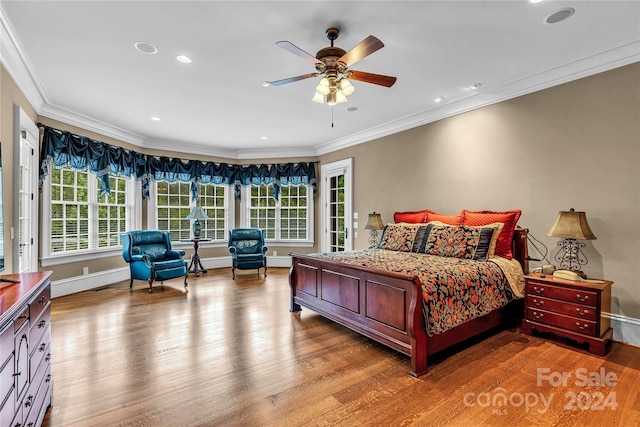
{"points": [[152, 216], [245, 208], [134, 192]]}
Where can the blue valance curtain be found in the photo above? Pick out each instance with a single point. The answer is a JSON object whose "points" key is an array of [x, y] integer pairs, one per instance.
{"points": [[63, 149]]}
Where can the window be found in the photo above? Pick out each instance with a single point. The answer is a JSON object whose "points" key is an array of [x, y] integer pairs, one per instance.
{"points": [[79, 221], [287, 220], [173, 203]]}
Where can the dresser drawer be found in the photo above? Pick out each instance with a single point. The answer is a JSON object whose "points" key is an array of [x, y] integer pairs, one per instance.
{"points": [[38, 326], [21, 320], [8, 410], [577, 296], [562, 307], [6, 379], [586, 327], [42, 351], [39, 303], [6, 346]]}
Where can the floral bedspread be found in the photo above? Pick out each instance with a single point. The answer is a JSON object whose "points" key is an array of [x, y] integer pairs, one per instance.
{"points": [[454, 290]]}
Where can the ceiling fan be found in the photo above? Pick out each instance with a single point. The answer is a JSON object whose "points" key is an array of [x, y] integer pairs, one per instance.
{"points": [[332, 63]]}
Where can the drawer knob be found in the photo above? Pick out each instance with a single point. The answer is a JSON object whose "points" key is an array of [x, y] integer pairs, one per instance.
{"points": [[583, 312], [48, 357], [43, 300], [538, 315], [48, 379], [538, 302], [42, 347], [585, 326], [42, 323], [538, 289], [582, 298]]}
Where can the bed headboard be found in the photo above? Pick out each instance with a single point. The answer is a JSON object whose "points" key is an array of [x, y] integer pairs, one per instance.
{"points": [[519, 248]]}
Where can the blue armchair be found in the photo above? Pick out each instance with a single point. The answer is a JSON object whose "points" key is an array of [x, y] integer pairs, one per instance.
{"points": [[150, 257], [247, 250]]}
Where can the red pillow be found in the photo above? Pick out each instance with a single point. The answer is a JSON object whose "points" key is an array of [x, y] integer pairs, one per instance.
{"points": [[414, 217], [447, 219], [508, 218]]}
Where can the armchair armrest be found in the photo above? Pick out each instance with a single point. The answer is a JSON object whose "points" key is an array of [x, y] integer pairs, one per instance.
{"points": [[142, 258], [264, 250], [175, 254], [233, 250]]}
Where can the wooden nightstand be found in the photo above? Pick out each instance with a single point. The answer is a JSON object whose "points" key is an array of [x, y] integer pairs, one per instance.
{"points": [[570, 309]]}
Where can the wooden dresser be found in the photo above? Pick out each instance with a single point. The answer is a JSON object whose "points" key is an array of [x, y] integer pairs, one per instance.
{"points": [[575, 310], [25, 349]]}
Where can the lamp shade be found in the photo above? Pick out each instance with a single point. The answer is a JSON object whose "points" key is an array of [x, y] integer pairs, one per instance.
{"points": [[571, 225], [197, 213], [374, 222]]}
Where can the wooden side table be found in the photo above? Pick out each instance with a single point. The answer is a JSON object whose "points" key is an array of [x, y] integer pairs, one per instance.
{"points": [[574, 310], [196, 265]]}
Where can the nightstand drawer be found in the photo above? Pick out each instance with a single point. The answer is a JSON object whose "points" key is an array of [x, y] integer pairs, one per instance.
{"points": [[586, 327], [577, 296], [579, 311]]}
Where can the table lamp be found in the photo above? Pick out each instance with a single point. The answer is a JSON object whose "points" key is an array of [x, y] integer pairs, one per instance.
{"points": [[197, 213], [571, 226], [375, 224]]}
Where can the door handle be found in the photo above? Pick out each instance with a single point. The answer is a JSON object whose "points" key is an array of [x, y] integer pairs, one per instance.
{"points": [[346, 233]]}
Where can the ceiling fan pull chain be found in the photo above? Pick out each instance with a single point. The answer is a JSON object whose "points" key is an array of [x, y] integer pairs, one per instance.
{"points": [[332, 116]]}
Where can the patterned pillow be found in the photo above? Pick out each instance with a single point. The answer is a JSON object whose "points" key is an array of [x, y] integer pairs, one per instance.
{"points": [[458, 241], [508, 218], [399, 237]]}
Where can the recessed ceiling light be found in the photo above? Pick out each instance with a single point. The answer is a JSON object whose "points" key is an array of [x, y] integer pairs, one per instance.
{"points": [[145, 47], [352, 109], [155, 119], [266, 84], [559, 15], [475, 86], [263, 137], [438, 100], [184, 59], [535, 1]]}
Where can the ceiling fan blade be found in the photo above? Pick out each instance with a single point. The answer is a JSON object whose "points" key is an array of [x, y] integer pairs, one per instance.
{"points": [[365, 48], [376, 79], [297, 51], [293, 79]]}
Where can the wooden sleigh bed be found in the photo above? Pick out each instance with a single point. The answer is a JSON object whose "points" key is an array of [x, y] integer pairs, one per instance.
{"points": [[387, 306]]}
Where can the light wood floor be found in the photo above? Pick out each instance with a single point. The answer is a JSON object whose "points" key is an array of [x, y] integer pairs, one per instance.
{"points": [[229, 353]]}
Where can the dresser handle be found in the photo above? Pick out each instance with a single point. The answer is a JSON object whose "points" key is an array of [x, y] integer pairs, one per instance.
{"points": [[538, 315], [538, 302], [48, 357], [582, 298], [585, 326], [42, 323], [42, 347], [583, 312], [43, 300], [48, 379], [538, 290]]}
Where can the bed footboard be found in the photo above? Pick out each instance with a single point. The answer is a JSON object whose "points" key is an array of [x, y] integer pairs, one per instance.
{"points": [[383, 306]]}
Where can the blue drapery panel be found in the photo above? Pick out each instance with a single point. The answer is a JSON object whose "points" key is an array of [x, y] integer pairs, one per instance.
{"points": [[64, 149]]}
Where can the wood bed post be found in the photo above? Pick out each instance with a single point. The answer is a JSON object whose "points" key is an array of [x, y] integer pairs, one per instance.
{"points": [[293, 307], [418, 332]]}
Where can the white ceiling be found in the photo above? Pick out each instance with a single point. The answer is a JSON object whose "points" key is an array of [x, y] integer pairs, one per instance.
{"points": [[76, 62]]}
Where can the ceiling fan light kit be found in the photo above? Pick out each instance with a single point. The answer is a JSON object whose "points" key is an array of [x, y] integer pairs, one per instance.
{"points": [[332, 63]]}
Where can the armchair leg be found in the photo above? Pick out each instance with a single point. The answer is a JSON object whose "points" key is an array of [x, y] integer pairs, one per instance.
{"points": [[131, 284], [150, 286], [185, 279], [233, 273], [265, 271]]}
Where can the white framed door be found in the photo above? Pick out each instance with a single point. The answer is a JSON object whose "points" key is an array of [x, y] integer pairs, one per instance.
{"points": [[337, 206], [26, 179]]}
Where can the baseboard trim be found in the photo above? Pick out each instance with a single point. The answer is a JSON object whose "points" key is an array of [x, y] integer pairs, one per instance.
{"points": [[87, 282], [625, 329]]}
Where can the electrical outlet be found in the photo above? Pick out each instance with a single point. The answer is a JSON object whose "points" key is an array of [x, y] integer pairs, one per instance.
{"points": [[85, 271], [275, 253], [355, 215], [355, 224]]}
